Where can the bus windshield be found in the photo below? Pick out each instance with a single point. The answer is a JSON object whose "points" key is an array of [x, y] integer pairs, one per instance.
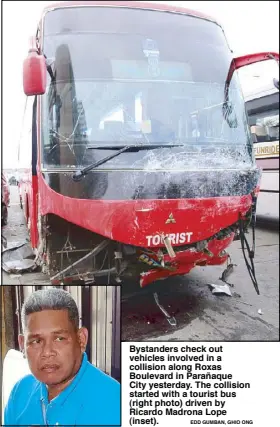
{"points": [[127, 76]]}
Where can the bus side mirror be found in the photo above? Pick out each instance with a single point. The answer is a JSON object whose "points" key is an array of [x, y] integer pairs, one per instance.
{"points": [[34, 74], [253, 58]]}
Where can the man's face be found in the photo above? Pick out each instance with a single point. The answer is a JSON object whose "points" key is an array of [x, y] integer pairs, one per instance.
{"points": [[53, 346]]}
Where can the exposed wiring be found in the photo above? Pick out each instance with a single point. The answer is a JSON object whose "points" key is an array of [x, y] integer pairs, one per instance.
{"points": [[245, 245]]}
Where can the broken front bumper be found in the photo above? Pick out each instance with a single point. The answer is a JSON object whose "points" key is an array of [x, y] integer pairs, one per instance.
{"points": [[186, 260]]}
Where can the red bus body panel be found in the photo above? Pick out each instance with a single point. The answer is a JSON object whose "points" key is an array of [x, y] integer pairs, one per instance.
{"points": [[28, 190], [130, 221], [34, 212]]}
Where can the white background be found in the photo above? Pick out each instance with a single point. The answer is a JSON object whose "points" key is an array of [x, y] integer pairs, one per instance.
{"points": [[256, 363]]}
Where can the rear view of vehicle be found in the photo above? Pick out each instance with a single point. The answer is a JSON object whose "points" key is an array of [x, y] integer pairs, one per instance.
{"points": [[5, 200], [142, 159]]}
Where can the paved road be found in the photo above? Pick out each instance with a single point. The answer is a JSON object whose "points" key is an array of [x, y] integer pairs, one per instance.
{"points": [[200, 315]]}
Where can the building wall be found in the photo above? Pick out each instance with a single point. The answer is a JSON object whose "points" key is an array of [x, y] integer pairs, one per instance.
{"points": [[7, 321]]}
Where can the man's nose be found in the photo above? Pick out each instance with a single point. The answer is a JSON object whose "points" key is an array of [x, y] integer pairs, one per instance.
{"points": [[48, 348]]}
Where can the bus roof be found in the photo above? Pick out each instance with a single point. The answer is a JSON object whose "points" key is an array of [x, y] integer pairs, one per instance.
{"points": [[133, 4]]}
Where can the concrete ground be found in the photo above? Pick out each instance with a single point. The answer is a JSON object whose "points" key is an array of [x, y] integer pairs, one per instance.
{"points": [[200, 315], [16, 231]]}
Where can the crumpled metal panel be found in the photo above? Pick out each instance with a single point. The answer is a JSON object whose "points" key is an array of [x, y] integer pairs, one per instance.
{"points": [[18, 258]]}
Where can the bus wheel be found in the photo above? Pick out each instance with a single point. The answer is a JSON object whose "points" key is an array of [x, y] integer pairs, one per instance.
{"points": [[4, 214]]}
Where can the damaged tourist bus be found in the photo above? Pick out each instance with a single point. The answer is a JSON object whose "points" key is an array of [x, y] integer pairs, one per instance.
{"points": [[142, 160]]}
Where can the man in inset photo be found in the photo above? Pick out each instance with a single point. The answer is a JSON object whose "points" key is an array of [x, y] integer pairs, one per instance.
{"points": [[64, 388]]}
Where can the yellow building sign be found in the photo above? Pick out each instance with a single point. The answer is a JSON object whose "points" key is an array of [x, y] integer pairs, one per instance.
{"points": [[267, 149]]}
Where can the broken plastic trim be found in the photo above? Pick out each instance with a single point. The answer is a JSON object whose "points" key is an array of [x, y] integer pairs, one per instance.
{"points": [[226, 273], [168, 246], [171, 319]]}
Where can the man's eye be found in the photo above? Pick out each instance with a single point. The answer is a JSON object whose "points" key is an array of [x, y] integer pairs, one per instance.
{"points": [[60, 338], [36, 341]]}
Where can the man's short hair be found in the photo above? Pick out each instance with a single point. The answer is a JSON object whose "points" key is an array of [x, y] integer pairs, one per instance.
{"points": [[50, 299]]}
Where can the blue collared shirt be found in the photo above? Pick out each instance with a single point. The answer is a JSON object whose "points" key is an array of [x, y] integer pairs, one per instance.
{"points": [[92, 398]]}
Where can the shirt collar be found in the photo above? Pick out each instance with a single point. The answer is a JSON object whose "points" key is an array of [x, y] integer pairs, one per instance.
{"points": [[61, 398]]}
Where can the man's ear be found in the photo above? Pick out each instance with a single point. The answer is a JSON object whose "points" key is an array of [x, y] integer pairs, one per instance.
{"points": [[83, 338], [21, 344]]}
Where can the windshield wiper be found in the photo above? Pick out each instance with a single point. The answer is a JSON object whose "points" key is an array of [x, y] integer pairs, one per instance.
{"points": [[77, 176], [131, 147]]}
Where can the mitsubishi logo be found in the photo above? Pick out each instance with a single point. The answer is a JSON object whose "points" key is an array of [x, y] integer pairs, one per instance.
{"points": [[170, 220]]}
